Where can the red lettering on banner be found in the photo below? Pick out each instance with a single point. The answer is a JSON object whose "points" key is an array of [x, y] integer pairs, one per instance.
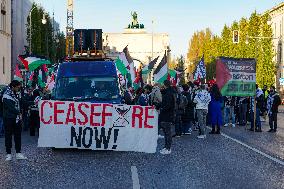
{"points": [[71, 119], [147, 116], [83, 114], [57, 111], [137, 115], [41, 112], [94, 114], [104, 113]]}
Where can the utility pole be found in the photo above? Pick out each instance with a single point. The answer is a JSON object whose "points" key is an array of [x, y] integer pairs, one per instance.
{"points": [[69, 29], [30, 49]]}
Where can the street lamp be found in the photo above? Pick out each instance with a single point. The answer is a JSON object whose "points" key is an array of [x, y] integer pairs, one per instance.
{"points": [[43, 20], [31, 30]]}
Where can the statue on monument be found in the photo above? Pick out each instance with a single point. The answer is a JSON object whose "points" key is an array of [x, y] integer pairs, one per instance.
{"points": [[134, 23], [134, 18]]}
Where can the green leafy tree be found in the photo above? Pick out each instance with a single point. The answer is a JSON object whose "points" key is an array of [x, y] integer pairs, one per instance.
{"points": [[43, 40]]}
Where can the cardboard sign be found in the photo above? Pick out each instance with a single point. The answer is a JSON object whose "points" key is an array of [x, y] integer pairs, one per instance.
{"points": [[84, 125]]}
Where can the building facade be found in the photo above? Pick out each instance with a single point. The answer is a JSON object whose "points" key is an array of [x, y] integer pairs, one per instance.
{"points": [[277, 24], [5, 41], [143, 46], [20, 12]]}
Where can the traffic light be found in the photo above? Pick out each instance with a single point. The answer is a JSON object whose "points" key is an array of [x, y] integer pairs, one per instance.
{"points": [[236, 36]]}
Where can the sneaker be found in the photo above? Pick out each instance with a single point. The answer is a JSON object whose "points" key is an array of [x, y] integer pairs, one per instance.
{"points": [[20, 156], [201, 136], [233, 125], [8, 157], [270, 130], [226, 125], [161, 136], [165, 151]]}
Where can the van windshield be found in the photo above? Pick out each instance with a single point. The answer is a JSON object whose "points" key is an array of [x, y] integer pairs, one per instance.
{"points": [[102, 88]]}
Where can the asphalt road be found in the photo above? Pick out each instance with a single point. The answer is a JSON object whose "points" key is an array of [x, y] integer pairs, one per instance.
{"points": [[216, 162]]}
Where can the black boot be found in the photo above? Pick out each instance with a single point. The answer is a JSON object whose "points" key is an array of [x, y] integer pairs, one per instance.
{"points": [[213, 130], [218, 130]]}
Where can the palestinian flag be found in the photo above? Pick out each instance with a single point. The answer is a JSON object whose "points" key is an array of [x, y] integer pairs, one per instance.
{"points": [[32, 62], [161, 72], [129, 65], [146, 69], [138, 82], [121, 64], [173, 77], [50, 82], [17, 75]]}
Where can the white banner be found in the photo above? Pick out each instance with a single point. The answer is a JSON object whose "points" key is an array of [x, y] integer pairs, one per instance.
{"points": [[84, 125]]}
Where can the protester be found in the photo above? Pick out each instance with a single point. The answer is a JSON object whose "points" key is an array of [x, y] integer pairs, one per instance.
{"points": [[167, 115], [1, 112], [273, 102], [243, 107], [216, 109], [156, 100], [34, 113], [181, 103], [128, 96], [202, 100], [255, 121], [229, 111], [156, 96], [196, 89], [143, 99], [188, 115], [263, 110], [26, 102], [12, 119]]}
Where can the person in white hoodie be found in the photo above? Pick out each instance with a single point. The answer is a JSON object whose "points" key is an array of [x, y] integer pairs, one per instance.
{"points": [[202, 100]]}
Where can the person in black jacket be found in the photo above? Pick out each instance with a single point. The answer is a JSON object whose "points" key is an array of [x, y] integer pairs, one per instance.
{"points": [[273, 101], [12, 119], [188, 116], [167, 116]]}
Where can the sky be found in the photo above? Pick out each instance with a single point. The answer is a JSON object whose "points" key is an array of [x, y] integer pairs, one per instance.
{"points": [[179, 18]]}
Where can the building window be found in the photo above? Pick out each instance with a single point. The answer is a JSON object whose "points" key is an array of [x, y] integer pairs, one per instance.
{"points": [[3, 65], [3, 16]]}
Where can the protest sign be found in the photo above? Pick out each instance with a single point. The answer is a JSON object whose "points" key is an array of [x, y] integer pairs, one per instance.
{"points": [[84, 125], [235, 76]]}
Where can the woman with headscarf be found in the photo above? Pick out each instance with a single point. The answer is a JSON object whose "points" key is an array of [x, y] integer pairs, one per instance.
{"points": [[216, 109]]}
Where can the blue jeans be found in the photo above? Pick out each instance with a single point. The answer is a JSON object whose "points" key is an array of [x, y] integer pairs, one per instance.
{"points": [[186, 127], [229, 114], [257, 119]]}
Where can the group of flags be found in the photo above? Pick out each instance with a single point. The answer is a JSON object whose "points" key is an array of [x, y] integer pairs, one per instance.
{"points": [[36, 67], [134, 77]]}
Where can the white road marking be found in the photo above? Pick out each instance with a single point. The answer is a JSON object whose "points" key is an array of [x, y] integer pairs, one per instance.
{"points": [[253, 149], [135, 178]]}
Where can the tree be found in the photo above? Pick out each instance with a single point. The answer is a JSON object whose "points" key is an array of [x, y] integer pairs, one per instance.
{"points": [[43, 42], [213, 46], [181, 67]]}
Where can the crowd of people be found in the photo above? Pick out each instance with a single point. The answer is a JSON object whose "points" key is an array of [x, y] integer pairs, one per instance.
{"points": [[195, 106], [184, 108]]}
